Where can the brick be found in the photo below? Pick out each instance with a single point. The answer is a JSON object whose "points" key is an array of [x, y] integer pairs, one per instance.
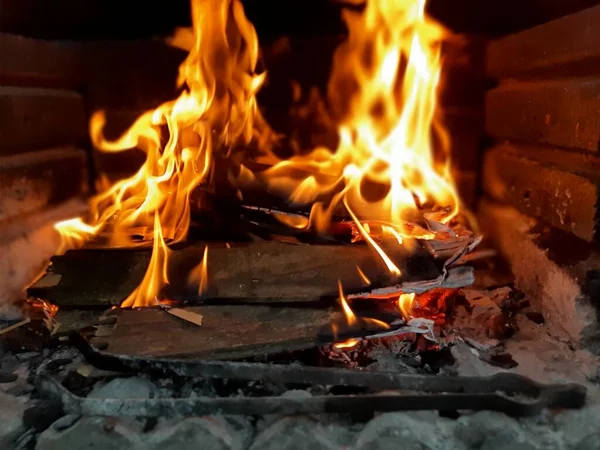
{"points": [[571, 42], [33, 62], [565, 112], [38, 117], [566, 200], [31, 181], [556, 272]]}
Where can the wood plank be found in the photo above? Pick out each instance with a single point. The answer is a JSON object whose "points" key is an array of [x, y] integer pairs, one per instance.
{"points": [[571, 42], [33, 180], [566, 200], [259, 272], [31, 62], [227, 332], [565, 113], [37, 117]]}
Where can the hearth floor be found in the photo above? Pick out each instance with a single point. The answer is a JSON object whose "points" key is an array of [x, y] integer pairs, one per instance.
{"points": [[541, 352]]}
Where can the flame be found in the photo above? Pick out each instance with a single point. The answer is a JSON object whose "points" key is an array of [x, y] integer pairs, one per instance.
{"points": [[199, 275], [156, 277], [363, 276], [350, 343], [405, 302], [73, 233], [383, 90], [350, 317], [216, 112]]}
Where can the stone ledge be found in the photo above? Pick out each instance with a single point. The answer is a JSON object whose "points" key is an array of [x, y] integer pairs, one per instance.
{"points": [[559, 279]]}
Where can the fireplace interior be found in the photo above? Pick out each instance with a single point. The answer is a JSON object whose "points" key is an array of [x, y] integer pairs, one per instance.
{"points": [[266, 302]]}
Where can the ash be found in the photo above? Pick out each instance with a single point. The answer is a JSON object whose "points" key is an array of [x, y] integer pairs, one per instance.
{"points": [[464, 346]]}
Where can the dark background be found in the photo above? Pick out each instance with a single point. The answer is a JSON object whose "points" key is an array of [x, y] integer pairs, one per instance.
{"points": [[135, 19]]}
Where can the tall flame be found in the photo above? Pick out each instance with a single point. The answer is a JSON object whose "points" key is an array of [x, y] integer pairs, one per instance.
{"points": [[215, 112], [149, 290], [383, 90]]}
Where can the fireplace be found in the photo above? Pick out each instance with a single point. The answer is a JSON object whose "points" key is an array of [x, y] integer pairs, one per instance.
{"points": [[247, 259]]}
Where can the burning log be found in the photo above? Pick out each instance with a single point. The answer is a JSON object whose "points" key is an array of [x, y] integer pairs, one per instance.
{"points": [[261, 272]]}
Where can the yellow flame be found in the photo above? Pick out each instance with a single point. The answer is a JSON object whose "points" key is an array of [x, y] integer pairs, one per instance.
{"points": [[383, 89], [382, 92], [363, 276], [216, 111], [405, 304], [199, 275], [350, 343], [73, 233], [350, 317], [156, 277]]}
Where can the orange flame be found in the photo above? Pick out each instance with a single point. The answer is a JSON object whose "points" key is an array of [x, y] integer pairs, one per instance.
{"points": [[350, 317], [405, 304], [73, 233], [383, 88], [216, 112], [363, 276], [199, 275], [156, 277], [350, 343]]}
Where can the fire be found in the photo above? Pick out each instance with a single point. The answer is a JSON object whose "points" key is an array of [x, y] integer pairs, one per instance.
{"points": [[362, 275], [350, 343], [216, 112], [199, 275], [383, 90], [350, 319], [73, 233], [149, 290], [405, 302]]}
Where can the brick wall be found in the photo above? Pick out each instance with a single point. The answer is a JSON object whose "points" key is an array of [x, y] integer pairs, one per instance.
{"points": [[545, 118], [541, 174], [43, 161]]}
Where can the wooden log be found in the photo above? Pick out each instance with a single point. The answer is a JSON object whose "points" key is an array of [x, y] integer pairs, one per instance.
{"points": [[227, 332], [566, 200], [35, 117], [260, 272], [563, 112], [570, 43], [34, 180], [31, 62]]}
